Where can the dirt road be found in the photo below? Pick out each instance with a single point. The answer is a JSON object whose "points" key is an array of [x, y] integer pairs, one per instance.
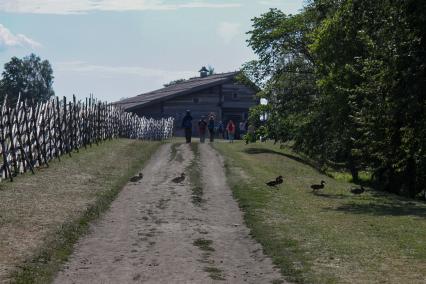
{"points": [[154, 232]]}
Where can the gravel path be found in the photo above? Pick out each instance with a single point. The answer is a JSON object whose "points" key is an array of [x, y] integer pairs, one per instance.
{"points": [[154, 233]]}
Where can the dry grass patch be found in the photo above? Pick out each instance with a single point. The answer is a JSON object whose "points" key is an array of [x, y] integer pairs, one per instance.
{"points": [[42, 215]]}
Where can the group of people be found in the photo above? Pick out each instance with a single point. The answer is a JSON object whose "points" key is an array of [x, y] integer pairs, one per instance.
{"points": [[210, 126]]}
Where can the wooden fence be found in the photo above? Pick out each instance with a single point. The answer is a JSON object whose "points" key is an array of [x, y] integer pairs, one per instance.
{"points": [[33, 134]]}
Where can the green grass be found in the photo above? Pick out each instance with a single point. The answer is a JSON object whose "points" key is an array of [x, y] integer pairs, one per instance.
{"points": [[43, 215], [329, 237], [364, 177], [194, 170], [214, 273], [175, 154], [204, 245], [173, 150]]}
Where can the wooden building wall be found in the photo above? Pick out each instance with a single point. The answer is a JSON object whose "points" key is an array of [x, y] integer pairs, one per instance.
{"points": [[227, 101]]}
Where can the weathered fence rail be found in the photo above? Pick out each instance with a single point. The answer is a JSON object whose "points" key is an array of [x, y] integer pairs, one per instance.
{"points": [[33, 134]]}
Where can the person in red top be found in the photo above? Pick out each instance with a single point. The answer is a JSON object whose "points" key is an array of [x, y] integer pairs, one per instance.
{"points": [[202, 125], [230, 128]]}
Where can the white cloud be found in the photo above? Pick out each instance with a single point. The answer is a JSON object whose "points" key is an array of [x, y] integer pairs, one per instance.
{"points": [[288, 6], [110, 71], [200, 4], [8, 39], [228, 31], [270, 2], [85, 6]]}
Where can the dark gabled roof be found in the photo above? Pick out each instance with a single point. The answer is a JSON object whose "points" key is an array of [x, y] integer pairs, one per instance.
{"points": [[182, 88]]}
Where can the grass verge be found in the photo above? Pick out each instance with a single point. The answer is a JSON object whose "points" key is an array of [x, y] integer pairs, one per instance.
{"points": [[175, 154], [194, 170], [214, 273], [206, 246], [43, 215], [329, 237]]}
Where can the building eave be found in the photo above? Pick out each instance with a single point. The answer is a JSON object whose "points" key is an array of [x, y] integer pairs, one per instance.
{"points": [[177, 94]]}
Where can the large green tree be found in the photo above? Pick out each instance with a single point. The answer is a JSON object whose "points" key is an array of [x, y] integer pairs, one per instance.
{"points": [[30, 77], [284, 70], [346, 81], [370, 57]]}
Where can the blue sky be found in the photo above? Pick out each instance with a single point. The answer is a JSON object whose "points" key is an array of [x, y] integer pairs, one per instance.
{"points": [[121, 48]]}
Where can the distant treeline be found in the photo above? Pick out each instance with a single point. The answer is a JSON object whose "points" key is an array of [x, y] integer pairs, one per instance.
{"points": [[346, 81], [32, 134]]}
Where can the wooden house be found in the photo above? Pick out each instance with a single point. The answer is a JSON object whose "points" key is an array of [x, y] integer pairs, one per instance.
{"points": [[220, 94]]}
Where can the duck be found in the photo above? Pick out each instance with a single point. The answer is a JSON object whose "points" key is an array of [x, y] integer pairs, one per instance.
{"points": [[358, 190], [179, 179], [316, 187], [277, 181], [136, 178]]}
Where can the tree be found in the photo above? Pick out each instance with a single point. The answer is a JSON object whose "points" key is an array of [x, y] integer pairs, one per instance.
{"points": [[338, 78], [211, 70], [371, 58], [284, 70], [30, 77], [346, 81]]}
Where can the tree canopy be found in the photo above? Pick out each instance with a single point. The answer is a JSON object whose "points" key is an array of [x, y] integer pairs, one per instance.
{"points": [[30, 77], [345, 80]]}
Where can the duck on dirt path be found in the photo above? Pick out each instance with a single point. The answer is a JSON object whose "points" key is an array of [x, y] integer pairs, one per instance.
{"points": [[136, 178], [179, 179]]}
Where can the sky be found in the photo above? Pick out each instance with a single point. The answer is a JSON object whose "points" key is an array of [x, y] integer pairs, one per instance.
{"points": [[121, 48]]}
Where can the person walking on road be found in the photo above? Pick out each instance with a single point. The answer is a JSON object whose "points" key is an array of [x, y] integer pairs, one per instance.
{"points": [[187, 125], [221, 130], [230, 128], [242, 127], [211, 128], [202, 126]]}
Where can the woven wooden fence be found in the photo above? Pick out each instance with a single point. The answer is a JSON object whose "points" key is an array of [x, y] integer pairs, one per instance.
{"points": [[33, 134]]}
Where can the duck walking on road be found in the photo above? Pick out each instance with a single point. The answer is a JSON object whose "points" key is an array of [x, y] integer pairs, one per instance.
{"points": [[316, 187], [179, 179]]}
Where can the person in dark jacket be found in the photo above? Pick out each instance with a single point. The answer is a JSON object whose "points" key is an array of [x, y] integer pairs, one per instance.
{"points": [[187, 125], [202, 125], [221, 129], [211, 127]]}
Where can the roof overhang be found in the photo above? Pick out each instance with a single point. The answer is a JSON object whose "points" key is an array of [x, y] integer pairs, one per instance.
{"points": [[177, 94]]}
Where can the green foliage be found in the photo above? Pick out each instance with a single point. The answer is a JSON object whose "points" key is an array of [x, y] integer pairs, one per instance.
{"points": [[30, 76], [211, 70], [346, 81], [284, 70], [174, 82], [244, 79]]}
